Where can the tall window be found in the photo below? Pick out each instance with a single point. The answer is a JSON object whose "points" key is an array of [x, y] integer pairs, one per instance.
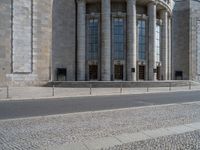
{"points": [[93, 38], [118, 38], [142, 39], [157, 50]]}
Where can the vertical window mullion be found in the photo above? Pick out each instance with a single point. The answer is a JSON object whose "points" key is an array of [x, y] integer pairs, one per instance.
{"points": [[118, 38], [93, 38], [141, 39]]}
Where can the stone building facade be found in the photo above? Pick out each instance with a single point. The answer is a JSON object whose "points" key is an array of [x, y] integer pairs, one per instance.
{"points": [[101, 40]]}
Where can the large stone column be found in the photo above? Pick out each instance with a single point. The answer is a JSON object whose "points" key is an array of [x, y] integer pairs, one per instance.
{"points": [[152, 40], [81, 40], [131, 40], [106, 41], [169, 50], [165, 46]]}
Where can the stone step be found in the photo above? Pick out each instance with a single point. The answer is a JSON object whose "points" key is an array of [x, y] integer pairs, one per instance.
{"points": [[124, 84]]}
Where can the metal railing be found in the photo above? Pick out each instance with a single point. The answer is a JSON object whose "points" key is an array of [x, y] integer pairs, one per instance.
{"points": [[7, 92]]}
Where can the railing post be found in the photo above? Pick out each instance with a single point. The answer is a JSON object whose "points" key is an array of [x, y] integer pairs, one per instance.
{"points": [[7, 95], [90, 89], [121, 90], [190, 85], [170, 86], [53, 90]]}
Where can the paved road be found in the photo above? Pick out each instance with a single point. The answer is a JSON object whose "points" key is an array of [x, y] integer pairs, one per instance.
{"points": [[28, 108]]}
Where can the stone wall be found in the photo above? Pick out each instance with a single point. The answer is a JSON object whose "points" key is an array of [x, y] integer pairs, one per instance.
{"points": [[22, 36], [39, 36], [31, 46], [26, 39], [180, 38], [5, 39], [195, 40], [64, 37]]}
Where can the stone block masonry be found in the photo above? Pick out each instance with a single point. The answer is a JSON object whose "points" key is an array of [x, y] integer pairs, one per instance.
{"points": [[22, 36], [26, 41]]}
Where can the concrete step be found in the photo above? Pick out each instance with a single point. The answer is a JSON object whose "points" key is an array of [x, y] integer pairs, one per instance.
{"points": [[124, 84]]}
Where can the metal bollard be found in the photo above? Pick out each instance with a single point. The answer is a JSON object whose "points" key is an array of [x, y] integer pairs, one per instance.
{"points": [[121, 88], [90, 89], [7, 88], [147, 89], [53, 90], [190, 86], [170, 86]]}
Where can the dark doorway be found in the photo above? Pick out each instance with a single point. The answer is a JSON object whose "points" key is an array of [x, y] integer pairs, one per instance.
{"points": [[158, 73], [61, 74], [93, 72], [141, 72], [179, 75], [118, 72]]}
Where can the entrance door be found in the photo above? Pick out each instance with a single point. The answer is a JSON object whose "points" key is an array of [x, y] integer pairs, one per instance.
{"points": [[158, 73], [93, 72], [118, 72], [141, 72]]}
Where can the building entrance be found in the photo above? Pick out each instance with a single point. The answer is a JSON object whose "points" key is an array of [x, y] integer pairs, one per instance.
{"points": [[93, 72], [118, 72], [158, 73], [141, 72]]}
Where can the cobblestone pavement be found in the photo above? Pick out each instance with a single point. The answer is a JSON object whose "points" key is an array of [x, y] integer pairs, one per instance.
{"points": [[39, 132], [186, 141]]}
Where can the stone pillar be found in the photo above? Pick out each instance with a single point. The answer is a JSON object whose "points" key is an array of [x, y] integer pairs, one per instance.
{"points": [[106, 41], [81, 40], [169, 50], [152, 40], [131, 40], [165, 46]]}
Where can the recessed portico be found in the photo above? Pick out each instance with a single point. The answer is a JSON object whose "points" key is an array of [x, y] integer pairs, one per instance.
{"points": [[124, 40]]}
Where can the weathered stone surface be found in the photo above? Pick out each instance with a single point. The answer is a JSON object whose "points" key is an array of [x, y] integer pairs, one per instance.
{"points": [[64, 37], [5, 39], [37, 37], [22, 36], [180, 38]]}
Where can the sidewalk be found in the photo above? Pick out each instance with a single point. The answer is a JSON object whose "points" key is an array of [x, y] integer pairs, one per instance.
{"points": [[19, 93]]}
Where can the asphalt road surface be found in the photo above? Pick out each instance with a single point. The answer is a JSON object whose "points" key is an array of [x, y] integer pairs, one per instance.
{"points": [[30, 108]]}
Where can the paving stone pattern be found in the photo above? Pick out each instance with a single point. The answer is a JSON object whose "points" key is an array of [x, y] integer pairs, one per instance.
{"points": [[39, 132], [186, 141]]}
